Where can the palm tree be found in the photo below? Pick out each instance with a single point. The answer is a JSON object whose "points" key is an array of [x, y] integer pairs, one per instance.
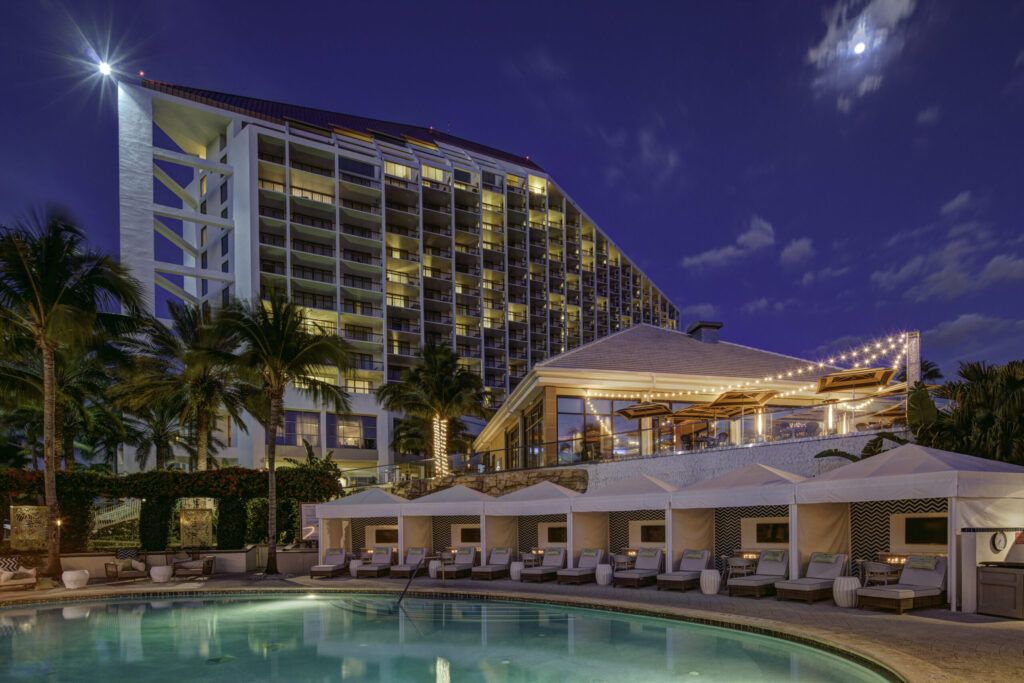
{"points": [[155, 428], [283, 348], [930, 373], [185, 364], [437, 389], [55, 291]]}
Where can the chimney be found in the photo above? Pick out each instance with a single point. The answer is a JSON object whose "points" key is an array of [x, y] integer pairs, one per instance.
{"points": [[704, 331]]}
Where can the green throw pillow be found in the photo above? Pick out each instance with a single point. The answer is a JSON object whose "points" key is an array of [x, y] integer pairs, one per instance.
{"points": [[590, 552], [648, 552], [125, 565], [926, 562], [772, 555], [693, 554], [826, 558]]}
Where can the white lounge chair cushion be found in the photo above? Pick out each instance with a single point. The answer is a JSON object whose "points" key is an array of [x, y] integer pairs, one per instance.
{"points": [[324, 567], [826, 565], [636, 573], [898, 591], [336, 560], [807, 584], [381, 556], [648, 559], [554, 557], [489, 568], [753, 580], [540, 570], [406, 567], [577, 571], [773, 563], [590, 557], [413, 555], [933, 578], [694, 560], [679, 576]]}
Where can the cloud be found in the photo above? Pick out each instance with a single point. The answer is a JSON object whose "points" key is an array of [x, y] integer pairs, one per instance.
{"points": [[648, 151], [1020, 59], [968, 329], [895, 276], [1002, 268], [826, 273], [929, 116], [755, 305], [957, 203], [760, 234], [796, 251], [860, 41], [699, 311]]}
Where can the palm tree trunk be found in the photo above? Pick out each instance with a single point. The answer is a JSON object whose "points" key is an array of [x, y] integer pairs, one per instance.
{"points": [[161, 456], [275, 412], [53, 567], [58, 435], [69, 450], [440, 432], [203, 434]]}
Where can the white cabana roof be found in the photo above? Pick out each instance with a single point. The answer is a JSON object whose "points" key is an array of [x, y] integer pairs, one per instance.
{"points": [[638, 493], [751, 485], [911, 471], [457, 500], [371, 502], [543, 498]]}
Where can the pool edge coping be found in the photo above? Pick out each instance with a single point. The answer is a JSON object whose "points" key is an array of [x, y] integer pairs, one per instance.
{"points": [[686, 615]]}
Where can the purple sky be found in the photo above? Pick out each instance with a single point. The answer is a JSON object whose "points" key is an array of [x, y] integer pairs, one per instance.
{"points": [[804, 172]]}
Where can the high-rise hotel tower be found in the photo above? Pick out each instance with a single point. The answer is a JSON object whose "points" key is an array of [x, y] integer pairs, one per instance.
{"points": [[391, 234]]}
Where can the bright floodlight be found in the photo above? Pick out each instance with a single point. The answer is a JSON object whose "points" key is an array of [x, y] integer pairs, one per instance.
{"points": [[857, 49], [104, 68]]}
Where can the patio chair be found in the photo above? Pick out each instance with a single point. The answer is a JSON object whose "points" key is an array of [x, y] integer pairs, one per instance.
{"points": [[335, 564], [587, 569], [922, 584], [554, 559], [379, 566], [204, 566], [772, 566], [496, 567], [822, 571], [880, 572], [129, 564], [691, 565], [644, 571], [414, 565], [462, 566], [15, 577]]}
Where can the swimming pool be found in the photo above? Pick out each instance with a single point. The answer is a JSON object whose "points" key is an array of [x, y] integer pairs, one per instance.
{"points": [[364, 637]]}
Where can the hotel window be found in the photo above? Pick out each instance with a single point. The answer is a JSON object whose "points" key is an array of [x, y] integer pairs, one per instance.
{"points": [[397, 170], [202, 207], [463, 176], [202, 236], [435, 174], [224, 244], [299, 426], [347, 165], [204, 260], [351, 431], [225, 295], [534, 428], [570, 429], [513, 455], [588, 429], [358, 386], [223, 192], [224, 212], [202, 187], [205, 286], [225, 267]]}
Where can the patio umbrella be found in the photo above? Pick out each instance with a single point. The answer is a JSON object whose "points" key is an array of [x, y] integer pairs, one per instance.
{"points": [[648, 409], [702, 412], [855, 378], [901, 388], [744, 398]]}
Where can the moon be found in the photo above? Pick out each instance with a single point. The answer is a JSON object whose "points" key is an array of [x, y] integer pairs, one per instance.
{"points": [[859, 48]]}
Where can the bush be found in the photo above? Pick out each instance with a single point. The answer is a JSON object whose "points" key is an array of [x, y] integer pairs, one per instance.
{"points": [[154, 523], [256, 526], [231, 523]]}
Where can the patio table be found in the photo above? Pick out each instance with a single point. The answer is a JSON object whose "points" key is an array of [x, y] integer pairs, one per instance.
{"points": [[353, 567]]}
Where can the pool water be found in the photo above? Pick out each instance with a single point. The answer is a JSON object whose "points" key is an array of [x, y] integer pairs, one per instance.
{"points": [[365, 638]]}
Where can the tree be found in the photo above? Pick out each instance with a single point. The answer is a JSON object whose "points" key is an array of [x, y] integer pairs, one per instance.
{"points": [[155, 428], [55, 292], [872, 447], [185, 364], [930, 373], [437, 389], [282, 348]]}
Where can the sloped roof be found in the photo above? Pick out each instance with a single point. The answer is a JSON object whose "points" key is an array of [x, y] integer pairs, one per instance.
{"points": [[912, 471], [454, 494], [372, 502], [279, 112], [457, 500], [755, 484], [643, 492], [543, 498], [371, 495], [647, 348]]}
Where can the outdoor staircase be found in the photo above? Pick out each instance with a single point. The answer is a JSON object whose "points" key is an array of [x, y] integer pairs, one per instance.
{"points": [[110, 514]]}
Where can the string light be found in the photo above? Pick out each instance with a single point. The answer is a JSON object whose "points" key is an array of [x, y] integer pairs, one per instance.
{"points": [[441, 468]]}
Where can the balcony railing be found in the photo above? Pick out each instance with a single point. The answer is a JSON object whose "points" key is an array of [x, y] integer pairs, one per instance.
{"points": [[360, 206], [271, 212], [313, 274], [358, 180], [437, 229], [272, 240], [312, 248], [436, 273], [361, 257], [312, 221], [313, 195], [362, 308], [265, 184], [402, 278], [361, 283], [272, 158], [314, 300], [310, 168], [359, 335], [358, 231]]}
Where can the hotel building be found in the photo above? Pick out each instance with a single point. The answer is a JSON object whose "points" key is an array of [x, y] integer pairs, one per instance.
{"points": [[392, 235]]}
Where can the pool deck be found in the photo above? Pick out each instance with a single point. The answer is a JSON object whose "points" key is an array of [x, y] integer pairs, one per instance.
{"points": [[924, 645]]}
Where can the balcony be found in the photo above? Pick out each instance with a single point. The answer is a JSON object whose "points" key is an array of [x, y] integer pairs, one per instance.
{"points": [[360, 335], [273, 267], [271, 185], [319, 301], [312, 248], [313, 274], [404, 208], [360, 206], [437, 295], [312, 221], [438, 208], [357, 231], [359, 180], [361, 257], [362, 283], [312, 195], [370, 365], [437, 229], [310, 168], [271, 212], [361, 308], [397, 349], [272, 240], [402, 278], [272, 158], [405, 302], [436, 273], [403, 255], [403, 326]]}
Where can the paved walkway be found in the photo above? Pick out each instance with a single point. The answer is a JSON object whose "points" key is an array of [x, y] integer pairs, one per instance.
{"points": [[924, 645]]}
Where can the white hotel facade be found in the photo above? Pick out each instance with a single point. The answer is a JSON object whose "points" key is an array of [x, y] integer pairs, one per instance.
{"points": [[390, 234]]}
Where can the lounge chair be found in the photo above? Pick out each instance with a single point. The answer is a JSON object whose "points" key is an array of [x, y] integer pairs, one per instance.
{"points": [[335, 564], [922, 584], [691, 565], [379, 566], [496, 567], [15, 577], [822, 572], [128, 564], [414, 564], [772, 566], [587, 569], [554, 559], [643, 573], [462, 566], [204, 566]]}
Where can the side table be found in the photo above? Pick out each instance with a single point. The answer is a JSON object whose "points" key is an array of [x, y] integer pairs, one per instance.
{"points": [[515, 571], [710, 581], [603, 574], [433, 568], [161, 573], [353, 566], [844, 591], [75, 578]]}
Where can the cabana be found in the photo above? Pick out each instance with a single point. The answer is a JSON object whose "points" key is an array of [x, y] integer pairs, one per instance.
{"points": [[628, 514], [532, 517], [747, 509], [917, 500], [451, 518], [365, 519]]}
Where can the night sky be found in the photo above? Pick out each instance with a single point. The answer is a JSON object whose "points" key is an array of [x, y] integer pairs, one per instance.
{"points": [[804, 172]]}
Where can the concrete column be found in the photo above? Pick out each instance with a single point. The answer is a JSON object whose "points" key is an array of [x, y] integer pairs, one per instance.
{"points": [[550, 425], [135, 183]]}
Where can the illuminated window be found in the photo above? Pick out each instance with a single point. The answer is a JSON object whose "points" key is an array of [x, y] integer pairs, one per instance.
{"points": [[397, 170], [202, 236], [299, 425], [351, 431], [538, 185], [358, 386], [435, 174], [202, 186]]}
